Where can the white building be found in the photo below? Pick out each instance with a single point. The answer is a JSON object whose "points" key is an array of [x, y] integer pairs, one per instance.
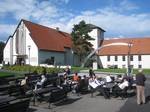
{"points": [[33, 44], [117, 56], [98, 34]]}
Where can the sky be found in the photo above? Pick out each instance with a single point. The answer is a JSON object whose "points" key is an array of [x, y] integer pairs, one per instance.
{"points": [[119, 18]]}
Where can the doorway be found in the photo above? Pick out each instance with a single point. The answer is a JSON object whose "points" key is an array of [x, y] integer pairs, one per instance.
{"points": [[20, 60]]}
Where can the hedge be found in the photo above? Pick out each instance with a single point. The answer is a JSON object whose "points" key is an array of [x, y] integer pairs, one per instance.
{"points": [[38, 69]]}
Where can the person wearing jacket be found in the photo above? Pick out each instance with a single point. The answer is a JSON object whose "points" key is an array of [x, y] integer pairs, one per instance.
{"points": [[140, 83]]}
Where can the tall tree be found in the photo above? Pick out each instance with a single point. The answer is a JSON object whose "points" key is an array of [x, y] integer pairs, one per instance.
{"points": [[80, 37], [2, 45]]}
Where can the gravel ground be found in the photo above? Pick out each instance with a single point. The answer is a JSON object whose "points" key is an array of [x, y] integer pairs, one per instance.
{"points": [[84, 103]]}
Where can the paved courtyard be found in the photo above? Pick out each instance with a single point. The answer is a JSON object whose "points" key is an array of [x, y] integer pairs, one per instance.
{"points": [[85, 103]]}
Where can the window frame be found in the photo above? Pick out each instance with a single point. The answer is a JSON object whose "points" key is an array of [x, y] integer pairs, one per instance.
{"points": [[123, 58], [131, 57], [108, 58], [116, 58], [139, 58]]}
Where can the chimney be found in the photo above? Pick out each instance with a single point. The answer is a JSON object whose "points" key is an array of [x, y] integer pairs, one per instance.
{"points": [[57, 28]]}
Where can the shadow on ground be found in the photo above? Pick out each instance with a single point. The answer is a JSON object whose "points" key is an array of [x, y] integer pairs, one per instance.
{"points": [[147, 99], [67, 101], [32, 110], [132, 106]]}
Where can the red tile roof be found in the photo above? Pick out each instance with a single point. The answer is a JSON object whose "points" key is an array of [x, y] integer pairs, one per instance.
{"points": [[47, 38], [140, 46]]}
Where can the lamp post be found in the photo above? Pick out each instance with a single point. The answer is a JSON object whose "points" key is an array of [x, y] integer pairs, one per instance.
{"points": [[128, 60], [29, 47]]}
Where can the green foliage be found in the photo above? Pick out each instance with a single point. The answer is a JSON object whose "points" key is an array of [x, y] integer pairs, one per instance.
{"points": [[145, 71], [80, 38], [38, 69], [135, 71], [77, 69], [55, 70], [112, 70], [4, 74], [2, 45]]}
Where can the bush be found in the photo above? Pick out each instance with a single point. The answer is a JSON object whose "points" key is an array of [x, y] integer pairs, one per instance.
{"points": [[38, 69]]}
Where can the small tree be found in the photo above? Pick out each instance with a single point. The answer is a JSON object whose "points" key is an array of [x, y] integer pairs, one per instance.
{"points": [[2, 45], [80, 37]]}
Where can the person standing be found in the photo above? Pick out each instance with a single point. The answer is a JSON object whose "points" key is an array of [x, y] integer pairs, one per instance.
{"points": [[140, 83], [67, 70], [91, 73]]}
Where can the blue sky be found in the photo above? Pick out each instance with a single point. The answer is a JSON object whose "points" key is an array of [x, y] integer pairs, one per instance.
{"points": [[120, 18]]}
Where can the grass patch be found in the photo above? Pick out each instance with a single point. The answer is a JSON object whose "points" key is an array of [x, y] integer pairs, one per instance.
{"points": [[112, 70], [3, 74], [6, 74], [134, 71], [77, 69]]}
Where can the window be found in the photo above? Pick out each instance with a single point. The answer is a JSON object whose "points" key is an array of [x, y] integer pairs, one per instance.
{"points": [[115, 66], [123, 58], [52, 60], [123, 66], [139, 66], [131, 58], [116, 58], [108, 58], [139, 58]]}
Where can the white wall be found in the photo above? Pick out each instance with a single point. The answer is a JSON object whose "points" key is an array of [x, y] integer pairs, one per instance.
{"points": [[98, 35], [6, 51], [14, 49], [10, 54], [144, 62], [33, 50], [94, 34]]}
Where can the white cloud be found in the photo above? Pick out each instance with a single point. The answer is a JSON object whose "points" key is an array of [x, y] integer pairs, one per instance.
{"points": [[122, 6], [41, 12], [112, 18], [125, 4], [113, 22], [7, 29], [121, 24], [28, 9]]}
